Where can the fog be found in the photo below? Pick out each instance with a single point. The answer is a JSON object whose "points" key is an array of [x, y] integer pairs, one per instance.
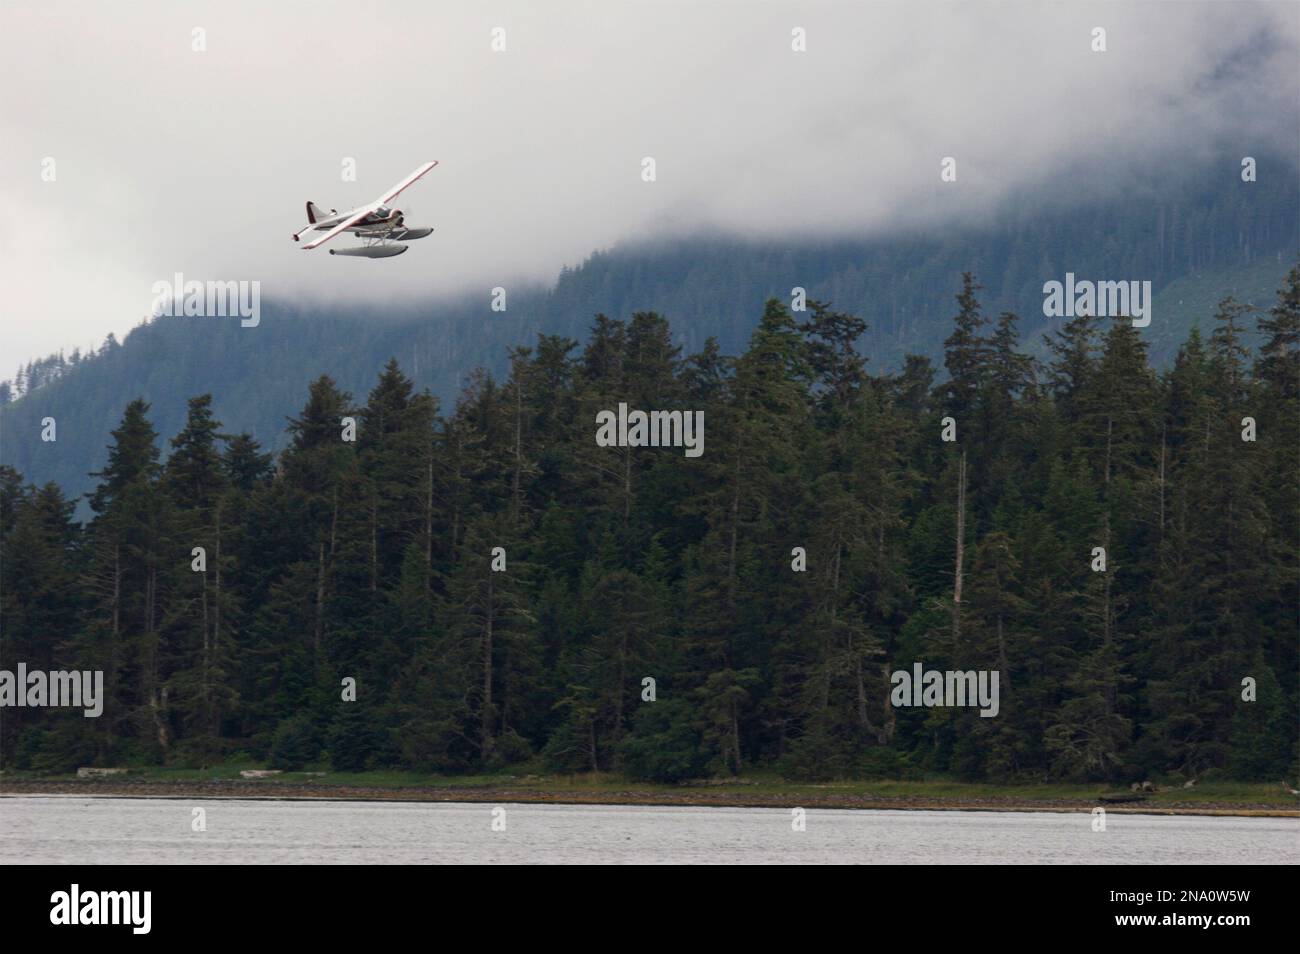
{"points": [[167, 158]]}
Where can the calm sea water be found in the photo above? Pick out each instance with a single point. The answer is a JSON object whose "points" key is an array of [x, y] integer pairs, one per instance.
{"points": [[75, 829]]}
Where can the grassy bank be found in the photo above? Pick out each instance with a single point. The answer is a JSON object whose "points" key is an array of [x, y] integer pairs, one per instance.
{"points": [[759, 790]]}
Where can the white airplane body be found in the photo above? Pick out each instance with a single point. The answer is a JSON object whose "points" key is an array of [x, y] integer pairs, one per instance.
{"points": [[380, 225]]}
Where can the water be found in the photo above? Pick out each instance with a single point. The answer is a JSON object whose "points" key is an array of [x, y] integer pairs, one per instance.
{"points": [[76, 829]]}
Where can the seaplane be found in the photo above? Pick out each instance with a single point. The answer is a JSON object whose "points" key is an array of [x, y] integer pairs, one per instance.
{"points": [[381, 227]]}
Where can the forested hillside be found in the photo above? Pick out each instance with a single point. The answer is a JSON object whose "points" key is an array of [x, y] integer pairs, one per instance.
{"points": [[377, 560], [1195, 240]]}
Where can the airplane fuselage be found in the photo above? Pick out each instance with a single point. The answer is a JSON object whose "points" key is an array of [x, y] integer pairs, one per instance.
{"points": [[383, 222], [380, 220]]}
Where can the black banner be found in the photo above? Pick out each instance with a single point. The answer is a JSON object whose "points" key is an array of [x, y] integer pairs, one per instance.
{"points": [[263, 903]]}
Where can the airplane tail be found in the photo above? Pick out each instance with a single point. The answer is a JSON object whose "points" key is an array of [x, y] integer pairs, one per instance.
{"points": [[315, 213]]}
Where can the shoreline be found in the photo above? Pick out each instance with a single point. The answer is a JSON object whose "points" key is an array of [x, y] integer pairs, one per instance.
{"points": [[261, 789]]}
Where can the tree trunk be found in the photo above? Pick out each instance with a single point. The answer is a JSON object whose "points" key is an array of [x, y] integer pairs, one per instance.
{"points": [[731, 549], [374, 542], [1002, 656], [320, 596], [117, 592], [735, 739], [486, 713], [216, 614], [627, 485], [864, 720], [516, 481], [428, 531], [961, 547], [1163, 429], [205, 660], [1110, 563]]}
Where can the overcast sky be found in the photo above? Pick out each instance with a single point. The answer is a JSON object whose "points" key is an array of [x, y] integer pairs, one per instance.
{"points": [[168, 159]]}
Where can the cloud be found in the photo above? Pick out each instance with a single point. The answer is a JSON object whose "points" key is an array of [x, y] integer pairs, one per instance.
{"points": [[170, 160]]}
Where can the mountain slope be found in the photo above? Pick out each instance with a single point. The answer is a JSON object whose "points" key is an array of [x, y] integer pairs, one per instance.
{"points": [[1195, 242]]}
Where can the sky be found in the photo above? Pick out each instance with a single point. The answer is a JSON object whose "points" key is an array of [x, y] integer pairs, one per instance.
{"points": [[128, 154]]}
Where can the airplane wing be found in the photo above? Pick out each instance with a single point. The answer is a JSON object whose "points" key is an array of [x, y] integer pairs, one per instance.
{"points": [[343, 226], [417, 174]]}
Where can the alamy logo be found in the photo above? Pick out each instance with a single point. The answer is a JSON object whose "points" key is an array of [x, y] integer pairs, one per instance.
{"points": [[195, 299], [58, 688], [102, 907], [651, 429], [932, 687], [1101, 299]]}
